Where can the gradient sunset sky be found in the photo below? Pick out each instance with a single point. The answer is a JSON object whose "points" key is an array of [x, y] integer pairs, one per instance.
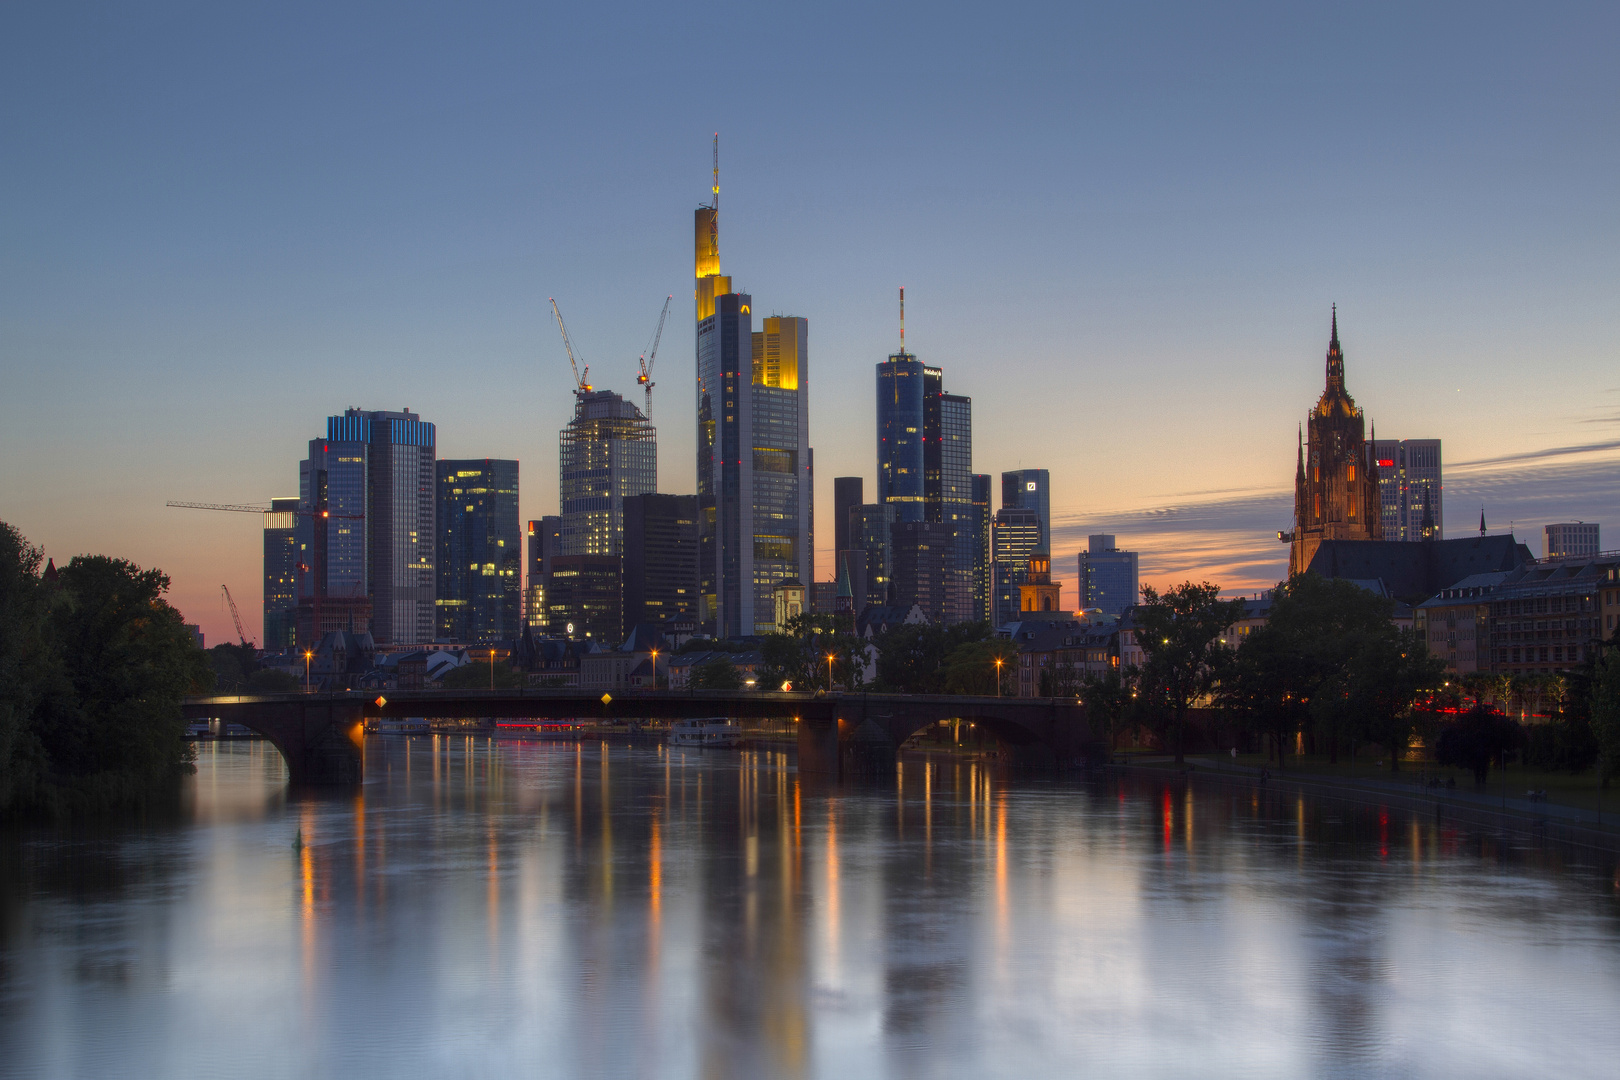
{"points": [[1120, 229]]}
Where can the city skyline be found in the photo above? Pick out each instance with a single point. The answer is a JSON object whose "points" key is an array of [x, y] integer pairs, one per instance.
{"points": [[1148, 308]]}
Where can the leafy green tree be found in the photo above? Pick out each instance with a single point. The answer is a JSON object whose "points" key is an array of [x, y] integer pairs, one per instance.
{"points": [[717, 673], [799, 654], [29, 668], [475, 675], [231, 667], [1477, 738], [911, 657], [1270, 684], [1110, 704], [1180, 633], [129, 660], [971, 667], [1388, 669], [1605, 714]]}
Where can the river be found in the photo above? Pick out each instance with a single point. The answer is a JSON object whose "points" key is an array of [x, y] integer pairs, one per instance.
{"points": [[487, 908]]}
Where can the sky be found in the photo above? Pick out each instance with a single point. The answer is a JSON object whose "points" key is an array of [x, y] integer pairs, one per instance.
{"points": [[1120, 229]]}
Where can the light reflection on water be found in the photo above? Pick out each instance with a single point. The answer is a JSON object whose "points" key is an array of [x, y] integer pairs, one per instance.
{"points": [[547, 908]]}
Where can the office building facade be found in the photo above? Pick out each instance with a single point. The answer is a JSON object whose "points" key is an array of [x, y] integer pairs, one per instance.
{"points": [[584, 598], [982, 577], [753, 453], [1030, 489], [370, 489], [848, 493], [479, 561], [1571, 540], [1108, 576], [1409, 488], [922, 553], [660, 559], [871, 531], [1015, 535], [606, 453], [545, 544], [281, 557]]}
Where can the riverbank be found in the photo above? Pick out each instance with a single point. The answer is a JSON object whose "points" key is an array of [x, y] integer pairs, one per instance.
{"points": [[1470, 806]]}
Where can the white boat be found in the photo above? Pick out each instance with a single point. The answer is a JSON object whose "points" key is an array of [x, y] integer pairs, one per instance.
{"points": [[713, 732], [407, 725]]}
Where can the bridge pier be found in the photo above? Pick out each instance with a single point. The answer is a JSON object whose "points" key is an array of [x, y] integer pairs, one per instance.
{"points": [[818, 747], [326, 746]]}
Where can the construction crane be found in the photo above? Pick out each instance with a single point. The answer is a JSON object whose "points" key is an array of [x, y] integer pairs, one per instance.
{"points": [[249, 508], [647, 358], [236, 617], [581, 387]]}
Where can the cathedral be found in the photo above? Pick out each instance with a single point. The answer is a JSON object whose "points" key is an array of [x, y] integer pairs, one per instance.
{"points": [[1335, 482]]}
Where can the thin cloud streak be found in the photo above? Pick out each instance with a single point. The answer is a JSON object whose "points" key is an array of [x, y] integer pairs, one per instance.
{"points": [[1232, 540]]}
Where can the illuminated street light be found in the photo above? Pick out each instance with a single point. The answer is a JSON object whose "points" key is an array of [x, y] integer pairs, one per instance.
{"points": [[307, 655], [998, 676], [829, 672]]}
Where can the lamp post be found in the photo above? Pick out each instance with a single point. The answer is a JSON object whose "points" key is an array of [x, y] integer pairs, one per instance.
{"points": [[829, 672], [655, 668], [307, 655], [998, 676], [492, 669]]}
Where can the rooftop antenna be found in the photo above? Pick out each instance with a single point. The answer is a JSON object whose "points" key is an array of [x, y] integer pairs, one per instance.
{"points": [[902, 320], [715, 206]]}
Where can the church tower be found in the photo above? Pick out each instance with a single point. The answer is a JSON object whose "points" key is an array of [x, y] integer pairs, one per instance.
{"points": [[1335, 482]]}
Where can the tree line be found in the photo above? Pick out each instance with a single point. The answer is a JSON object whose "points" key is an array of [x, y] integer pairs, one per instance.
{"points": [[93, 666], [1328, 663]]}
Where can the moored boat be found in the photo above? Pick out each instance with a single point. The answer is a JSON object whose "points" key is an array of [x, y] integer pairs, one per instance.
{"points": [[715, 731]]}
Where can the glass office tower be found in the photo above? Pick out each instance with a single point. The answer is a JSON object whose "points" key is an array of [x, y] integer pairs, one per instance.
{"points": [[545, 544], [981, 549], [1030, 489], [373, 481], [753, 452], [1108, 576], [901, 392], [1016, 534], [480, 556], [606, 452], [1409, 488], [281, 576]]}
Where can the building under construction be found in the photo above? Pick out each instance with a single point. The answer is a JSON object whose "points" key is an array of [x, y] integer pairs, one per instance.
{"points": [[607, 452]]}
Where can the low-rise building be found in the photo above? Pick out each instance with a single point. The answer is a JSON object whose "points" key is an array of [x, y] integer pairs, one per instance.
{"points": [[1056, 658]]}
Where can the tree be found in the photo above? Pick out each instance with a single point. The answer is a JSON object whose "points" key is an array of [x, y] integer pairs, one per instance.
{"points": [[1387, 670], [1605, 713], [716, 673], [1475, 739], [475, 675], [971, 667], [1271, 684], [911, 657], [1110, 706], [271, 681], [28, 668], [1180, 634]]}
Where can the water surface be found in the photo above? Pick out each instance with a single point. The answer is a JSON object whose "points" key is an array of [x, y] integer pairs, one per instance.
{"points": [[485, 908]]}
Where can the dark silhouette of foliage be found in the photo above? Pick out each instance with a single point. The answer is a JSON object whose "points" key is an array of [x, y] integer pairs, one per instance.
{"points": [[93, 668], [911, 657], [1475, 739], [1110, 704], [717, 673], [1180, 632], [970, 668], [474, 675], [271, 681], [1605, 713]]}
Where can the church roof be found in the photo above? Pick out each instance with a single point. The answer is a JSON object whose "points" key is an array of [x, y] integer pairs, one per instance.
{"points": [[1416, 571]]}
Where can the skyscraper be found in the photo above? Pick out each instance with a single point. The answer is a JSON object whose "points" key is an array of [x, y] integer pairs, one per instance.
{"points": [[901, 458], [847, 494], [981, 549], [922, 558], [1335, 490], [480, 557], [1014, 537], [1030, 489], [585, 598], [373, 479], [607, 452], [753, 453], [545, 544], [281, 576], [871, 532], [660, 559], [1409, 488], [1108, 576], [948, 494]]}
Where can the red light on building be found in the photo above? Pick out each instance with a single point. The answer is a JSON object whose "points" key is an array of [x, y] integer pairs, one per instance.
{"points": [[1385, 463]]}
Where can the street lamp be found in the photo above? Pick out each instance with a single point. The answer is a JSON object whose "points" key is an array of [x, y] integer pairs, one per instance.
{"points": [[492, 669], [655, 668], [829, 672], [307, 655], [998, 676]]}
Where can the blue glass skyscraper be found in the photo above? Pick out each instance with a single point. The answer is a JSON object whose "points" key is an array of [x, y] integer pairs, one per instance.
{"points": [[480, 551], [900, 449]]}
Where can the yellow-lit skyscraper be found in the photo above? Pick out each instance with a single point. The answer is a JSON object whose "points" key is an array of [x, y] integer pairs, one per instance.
{"points": [[753, 452]]}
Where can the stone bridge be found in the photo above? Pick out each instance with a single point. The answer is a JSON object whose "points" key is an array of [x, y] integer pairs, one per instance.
{"points": [[320, 735]]}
